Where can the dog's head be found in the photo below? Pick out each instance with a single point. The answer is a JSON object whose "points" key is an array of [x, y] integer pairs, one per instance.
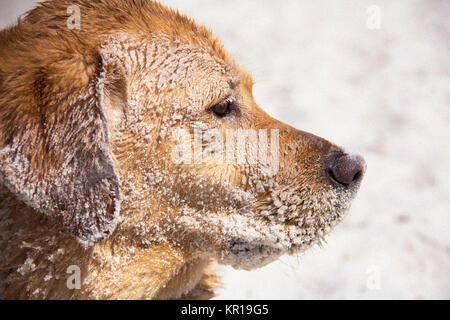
{"points": [[149, 132]]}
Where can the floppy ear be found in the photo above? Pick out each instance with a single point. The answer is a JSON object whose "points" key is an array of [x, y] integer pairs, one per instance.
{"points": [[54, 141]]}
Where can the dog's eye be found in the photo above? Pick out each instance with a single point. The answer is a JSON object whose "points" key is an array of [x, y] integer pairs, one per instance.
{"points": [[224, 108]]}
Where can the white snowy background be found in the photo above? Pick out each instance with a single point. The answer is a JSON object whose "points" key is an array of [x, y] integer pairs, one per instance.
{"points": [[325, 67]]}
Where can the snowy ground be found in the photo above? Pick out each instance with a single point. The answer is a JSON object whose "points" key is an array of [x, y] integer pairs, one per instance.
{"points": [[325, 67]]}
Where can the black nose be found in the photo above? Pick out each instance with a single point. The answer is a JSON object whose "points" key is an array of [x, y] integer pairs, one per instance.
{"points": [[346, 169]]}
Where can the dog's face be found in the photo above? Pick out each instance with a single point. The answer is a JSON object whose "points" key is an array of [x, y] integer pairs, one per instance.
{"points": [[154, 136], [203, 166]]}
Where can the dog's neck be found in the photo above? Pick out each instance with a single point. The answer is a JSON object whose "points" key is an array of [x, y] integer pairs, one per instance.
{"points": [[40, 261]]}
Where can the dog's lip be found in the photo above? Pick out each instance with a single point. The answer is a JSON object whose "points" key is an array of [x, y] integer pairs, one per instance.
{"points": [[243, 248], [249, 255], [240, 246]]}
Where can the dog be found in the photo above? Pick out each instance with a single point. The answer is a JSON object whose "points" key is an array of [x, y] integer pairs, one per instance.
{"points": [[133, 157]]}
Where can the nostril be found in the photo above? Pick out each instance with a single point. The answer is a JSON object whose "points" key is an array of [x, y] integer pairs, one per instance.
{"points": [[346, 169], [333, 177], [357, 175]]}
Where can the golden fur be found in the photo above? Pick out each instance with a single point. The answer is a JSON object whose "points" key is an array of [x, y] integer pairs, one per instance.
{"points": [[85, 150]]}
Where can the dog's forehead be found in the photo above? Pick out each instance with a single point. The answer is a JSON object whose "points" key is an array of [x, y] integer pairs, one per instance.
{"points": [[180, 59], [212, 55], [186, 39]]}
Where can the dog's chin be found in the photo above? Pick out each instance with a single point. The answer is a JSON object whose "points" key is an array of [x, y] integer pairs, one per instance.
{"points": [[248, 255], [272, 235], [258, 233]]}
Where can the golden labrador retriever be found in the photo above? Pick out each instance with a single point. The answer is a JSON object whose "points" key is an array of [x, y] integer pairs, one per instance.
{"points": [[132, 154]]}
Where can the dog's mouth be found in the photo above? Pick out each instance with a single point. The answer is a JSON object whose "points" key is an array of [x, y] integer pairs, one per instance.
{"points": [[257, 230], [276, 240], [287, 223]]}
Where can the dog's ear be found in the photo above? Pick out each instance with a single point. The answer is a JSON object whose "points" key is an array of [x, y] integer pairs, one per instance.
{"points": [[54, 140]]}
